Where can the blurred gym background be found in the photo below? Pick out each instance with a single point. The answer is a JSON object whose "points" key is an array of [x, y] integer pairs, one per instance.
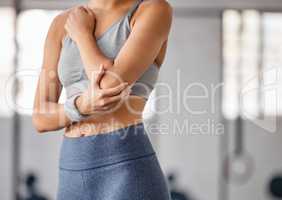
{"points": [[217, 104]]}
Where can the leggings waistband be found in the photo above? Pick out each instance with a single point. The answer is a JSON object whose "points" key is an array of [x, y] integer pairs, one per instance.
{"points": [[105, 149]]}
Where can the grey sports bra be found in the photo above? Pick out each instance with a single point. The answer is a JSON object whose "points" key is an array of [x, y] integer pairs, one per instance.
{"points": [[70, 67]]}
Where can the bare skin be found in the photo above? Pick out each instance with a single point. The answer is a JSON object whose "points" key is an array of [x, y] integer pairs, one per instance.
{"points": [[84, 25]]}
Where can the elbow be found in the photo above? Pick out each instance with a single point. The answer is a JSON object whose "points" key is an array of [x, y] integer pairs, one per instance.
{"points": [[110, 81], [38, 123], [108, 63], [111, 78]]}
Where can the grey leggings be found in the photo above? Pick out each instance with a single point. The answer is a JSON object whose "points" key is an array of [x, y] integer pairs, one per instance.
{"points": [[120, 165]]}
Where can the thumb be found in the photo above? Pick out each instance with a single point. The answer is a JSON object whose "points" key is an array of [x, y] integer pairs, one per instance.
{"points": [[88, 10], [98, 76]]}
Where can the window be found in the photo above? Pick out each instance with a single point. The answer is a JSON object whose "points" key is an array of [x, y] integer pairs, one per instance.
{"points": [[252, 63], [31, 45]]}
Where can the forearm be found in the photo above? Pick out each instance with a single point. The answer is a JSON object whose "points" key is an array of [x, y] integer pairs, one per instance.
{"points": [[138, 52], [50, 117], [92, 57]]}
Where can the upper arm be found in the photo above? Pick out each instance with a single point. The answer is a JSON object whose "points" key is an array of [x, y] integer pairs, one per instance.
{"points": [[48, 86], [148, 35]]}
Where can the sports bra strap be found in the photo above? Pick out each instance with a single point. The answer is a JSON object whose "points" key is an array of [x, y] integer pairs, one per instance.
{"points": [[134, 8]]}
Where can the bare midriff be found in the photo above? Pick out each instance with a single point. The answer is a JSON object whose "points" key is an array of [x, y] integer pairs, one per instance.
{"points": [[126, 114]]}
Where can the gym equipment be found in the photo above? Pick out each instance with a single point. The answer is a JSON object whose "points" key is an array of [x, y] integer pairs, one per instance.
{"points": [[239, 165], [175, 193], [31, 187], [275, 186]]}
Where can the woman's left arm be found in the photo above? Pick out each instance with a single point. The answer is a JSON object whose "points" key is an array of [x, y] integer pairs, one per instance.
{"points": [[150, 31]]}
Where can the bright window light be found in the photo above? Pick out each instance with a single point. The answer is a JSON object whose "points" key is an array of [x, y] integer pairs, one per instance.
{"points": [[31, 38], [252, 59]]}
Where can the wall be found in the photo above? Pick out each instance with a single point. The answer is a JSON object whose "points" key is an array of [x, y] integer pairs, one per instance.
{"points": [[191, 4], [224, 4], [194, 57], [39, 154], [5, 157], [264, 148]]}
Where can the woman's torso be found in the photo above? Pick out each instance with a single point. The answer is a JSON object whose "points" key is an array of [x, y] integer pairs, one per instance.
{"points": [[74, 78]]}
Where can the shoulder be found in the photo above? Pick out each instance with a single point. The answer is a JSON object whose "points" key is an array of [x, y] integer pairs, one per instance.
{"points": [[155, 16], [155, 13], [154, 4], [57, 30], [158, 8]]}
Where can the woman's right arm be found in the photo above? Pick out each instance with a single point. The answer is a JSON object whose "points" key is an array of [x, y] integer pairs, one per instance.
{"points": [[48, 114]]}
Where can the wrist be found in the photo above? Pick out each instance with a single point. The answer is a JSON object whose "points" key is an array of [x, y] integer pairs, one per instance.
{"points": [[71, 110], [85, 39], [81, 105]]}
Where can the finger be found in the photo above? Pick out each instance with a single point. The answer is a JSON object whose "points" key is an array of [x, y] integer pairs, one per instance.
{"points": [[78, 8], [88, 10], [83, 8], [106, 108], [117, 98], [114, 91], [67, 26], [111, 107], [71, 18], [99, 77], [114, 103]]}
